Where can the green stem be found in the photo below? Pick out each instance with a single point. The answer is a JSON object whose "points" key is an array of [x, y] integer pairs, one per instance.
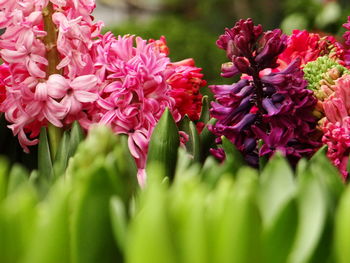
{"points": [[52, 55]]}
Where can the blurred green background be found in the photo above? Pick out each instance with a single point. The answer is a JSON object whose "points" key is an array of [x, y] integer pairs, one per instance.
{"points": [[192, 26]]}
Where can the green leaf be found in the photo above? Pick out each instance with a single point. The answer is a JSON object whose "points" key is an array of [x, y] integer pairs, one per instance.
{"points": [[239, 232], [312, 210], [62, 155], [329, 177], [210, 172], [278, 209], [205, 114], [92, 233], [192, 145], [207, 140], [76, 137], [4, 167], [234, 159], [342, 229], [51, 241], [277, 186], [123, 164], [18, 176], [119, 221], [44, 157], [150, 235], [278, 238], [18, 215], [164, 144]]}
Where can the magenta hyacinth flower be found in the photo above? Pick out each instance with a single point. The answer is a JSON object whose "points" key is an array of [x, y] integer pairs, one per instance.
{"points": [[275, 108]]}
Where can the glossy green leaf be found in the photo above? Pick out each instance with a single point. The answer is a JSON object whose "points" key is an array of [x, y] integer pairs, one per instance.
{"points": [[342, 229], [119, 221], [330, 179], [44, 157], [164, 144], [18, 215], [4, 167], [76, 137], [277, 186], [207, 140], [62, 155], [18, 176], [150, 234], [205, 114], [312, 210], [239, 233], [279, 236], [51, 241], [234, 159], [92, 234], [192, 145]]}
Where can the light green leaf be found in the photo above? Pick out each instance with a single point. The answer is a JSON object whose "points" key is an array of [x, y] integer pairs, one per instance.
{"points": [[18, 176], [150, 235], [205, 114], [342, 229], [92, 234], [239, 232], [119, 221], [312, 210], [164, 144], [277, 186], [51, 241]]}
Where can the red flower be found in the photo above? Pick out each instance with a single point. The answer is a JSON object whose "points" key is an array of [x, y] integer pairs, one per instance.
{"points": [[185, 84], [4, 74], [308, 47]]}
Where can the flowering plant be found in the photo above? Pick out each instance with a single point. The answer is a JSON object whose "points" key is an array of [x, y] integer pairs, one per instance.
{"points": [[291, 97], [58, 68]]}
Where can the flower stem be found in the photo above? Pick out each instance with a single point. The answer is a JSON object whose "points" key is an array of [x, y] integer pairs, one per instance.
{"points": [[52, 55]]}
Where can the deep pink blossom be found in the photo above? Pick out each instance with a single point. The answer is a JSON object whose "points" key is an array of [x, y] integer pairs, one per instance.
{"points": [[185, 83]]}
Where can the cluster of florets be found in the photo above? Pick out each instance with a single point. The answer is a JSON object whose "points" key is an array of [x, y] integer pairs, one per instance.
{"points": [[35, 95], [266, 105], [79, 74]]}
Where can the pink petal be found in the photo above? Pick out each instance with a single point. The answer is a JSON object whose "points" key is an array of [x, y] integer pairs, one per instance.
{"points": [[85, 96], [57, 86], [86, 82]]}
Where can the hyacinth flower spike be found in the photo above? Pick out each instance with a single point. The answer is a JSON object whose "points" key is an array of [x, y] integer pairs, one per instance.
{"points": [[266, 104]]}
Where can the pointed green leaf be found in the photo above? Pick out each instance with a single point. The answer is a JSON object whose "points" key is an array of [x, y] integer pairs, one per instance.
{"points": [[207, 140], [234, 159], [164, 144], [312, 210], [150, 235], [62, 155], [239, 233], [119, 221], [18, 215], [278, 209], [76, 137], [18, 176], [92, 234], [44, 157], [277, 186], [330, 178], [192, 145], [205, 115], [4, 167], [51, 241], [278, 238], [342, 229]]}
